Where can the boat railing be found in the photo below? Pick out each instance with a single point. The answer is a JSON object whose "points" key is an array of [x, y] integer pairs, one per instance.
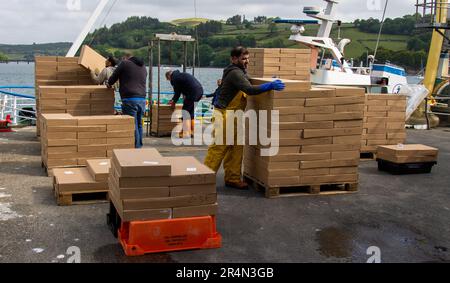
{"points": [[18, 105], [22, 106]]}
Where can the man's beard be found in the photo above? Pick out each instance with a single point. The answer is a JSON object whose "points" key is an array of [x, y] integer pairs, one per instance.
{"points": [[242, 65]]}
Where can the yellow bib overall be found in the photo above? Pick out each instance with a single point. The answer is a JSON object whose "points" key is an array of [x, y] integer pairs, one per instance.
{"points": [[231, 155]]}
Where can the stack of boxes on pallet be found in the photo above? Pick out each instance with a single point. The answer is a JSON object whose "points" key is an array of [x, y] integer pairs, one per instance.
{"points": [[319, 135], [410, 153], [293, 64], [162, 123], [69, 141], [71, 184], [146, 186], [384, 121], [407, 159]]}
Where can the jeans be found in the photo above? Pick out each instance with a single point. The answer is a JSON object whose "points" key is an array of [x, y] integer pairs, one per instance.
{"points": [[135, 109]]}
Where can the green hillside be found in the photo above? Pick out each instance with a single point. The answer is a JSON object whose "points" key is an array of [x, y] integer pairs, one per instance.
{"points": [[217, 38], [27, 52]]}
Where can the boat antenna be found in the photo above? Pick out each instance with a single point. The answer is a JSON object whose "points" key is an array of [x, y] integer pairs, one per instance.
{"points": [[381, 29]]}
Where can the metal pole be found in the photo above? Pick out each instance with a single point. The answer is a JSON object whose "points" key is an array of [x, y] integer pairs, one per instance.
{"points": [[1, 105], [426, 113], [185, 57], [159, 84], [194, 59], [15, 110], [150, 86], [5, 102]]}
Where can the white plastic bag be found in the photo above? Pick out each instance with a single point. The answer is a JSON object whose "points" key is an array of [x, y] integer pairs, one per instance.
{"points": [[416, 95]]}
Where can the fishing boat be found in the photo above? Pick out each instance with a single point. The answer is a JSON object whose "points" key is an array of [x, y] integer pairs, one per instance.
{"points": [[339, 70]]}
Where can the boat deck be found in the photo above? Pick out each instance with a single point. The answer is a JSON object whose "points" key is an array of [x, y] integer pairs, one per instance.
{"points": [[407, 217]]}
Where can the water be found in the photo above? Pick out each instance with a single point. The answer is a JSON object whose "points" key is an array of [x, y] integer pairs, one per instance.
{"points": [[22, 74]]}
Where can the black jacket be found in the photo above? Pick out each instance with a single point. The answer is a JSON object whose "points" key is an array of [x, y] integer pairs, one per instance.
{"points": [[234, 79], [132, 76], [186, 84]]}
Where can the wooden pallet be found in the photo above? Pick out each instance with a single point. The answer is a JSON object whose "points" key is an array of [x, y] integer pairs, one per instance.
{"points": [[368, 156], [297, 191], [81, 198]]}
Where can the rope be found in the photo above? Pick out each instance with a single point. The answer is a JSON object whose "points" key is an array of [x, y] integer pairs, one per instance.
{"points": [[103, 21], [381, 29]]}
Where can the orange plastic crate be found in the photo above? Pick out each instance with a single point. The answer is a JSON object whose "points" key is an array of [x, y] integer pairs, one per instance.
{"points": [[144, 237]]}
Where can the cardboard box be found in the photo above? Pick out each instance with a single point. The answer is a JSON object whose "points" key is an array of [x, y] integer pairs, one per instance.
{"points": [[172, 202], [91, 60], [106, 120], [140, 215], [193, 190], [195, 211], [185, 171], [58, 120], [99, 169], [137, 193], [140, 163], [75, 180]]}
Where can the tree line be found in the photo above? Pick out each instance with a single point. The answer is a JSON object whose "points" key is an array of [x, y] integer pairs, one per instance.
{"points": [[135, 33], [418, 43], [3, 57]]}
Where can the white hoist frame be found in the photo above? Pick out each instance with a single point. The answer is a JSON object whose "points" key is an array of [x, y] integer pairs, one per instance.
{"points": [[91, 22]]}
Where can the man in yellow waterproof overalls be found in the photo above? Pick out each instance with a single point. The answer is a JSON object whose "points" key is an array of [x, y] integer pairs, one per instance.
{"points": [[233, 97]]}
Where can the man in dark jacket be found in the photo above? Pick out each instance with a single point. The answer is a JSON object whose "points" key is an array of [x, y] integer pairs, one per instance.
{"points": [[132, 76], [187, 85], [233, 97]]}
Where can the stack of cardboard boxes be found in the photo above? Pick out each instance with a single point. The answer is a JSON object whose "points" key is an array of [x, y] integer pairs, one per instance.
{"points": [[162, 123], [75, 100], [69, 141], [294, 64], [146, 186], [384, 121], [58, 71], [319, 136], [64, 70]]}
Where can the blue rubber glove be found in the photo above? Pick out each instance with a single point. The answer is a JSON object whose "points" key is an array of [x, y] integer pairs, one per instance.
{"points": [[266, 87], [278, 85], [275, 85]]}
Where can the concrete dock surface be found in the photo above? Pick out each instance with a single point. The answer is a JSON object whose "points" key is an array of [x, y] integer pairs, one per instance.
{"points": [[406, 217]]}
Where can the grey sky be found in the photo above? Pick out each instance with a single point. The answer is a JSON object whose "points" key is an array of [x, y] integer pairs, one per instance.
{"points": [[28, 21]]}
